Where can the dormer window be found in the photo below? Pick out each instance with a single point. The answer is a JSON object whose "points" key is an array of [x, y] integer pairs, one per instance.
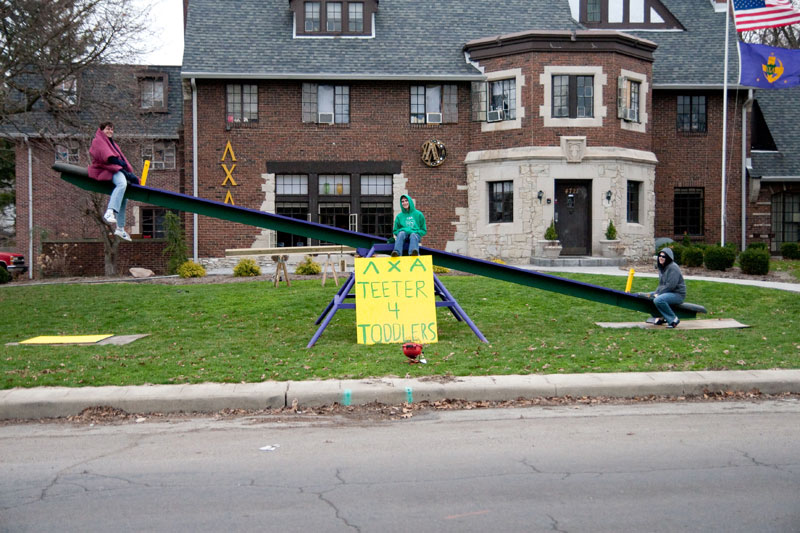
{"points": [[629, 14], [327, 18]]}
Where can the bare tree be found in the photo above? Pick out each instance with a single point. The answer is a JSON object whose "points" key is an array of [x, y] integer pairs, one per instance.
{"points": [[46, 45], [94, 208]]}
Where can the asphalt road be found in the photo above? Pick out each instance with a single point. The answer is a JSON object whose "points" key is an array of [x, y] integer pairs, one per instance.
{"points": [[728, 466]]}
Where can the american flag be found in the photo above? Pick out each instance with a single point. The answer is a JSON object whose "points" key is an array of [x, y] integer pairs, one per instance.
{"points": [[758, 14]]}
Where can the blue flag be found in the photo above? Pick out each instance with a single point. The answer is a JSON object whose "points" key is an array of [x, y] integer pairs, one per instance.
{"points": [[768, 67]]}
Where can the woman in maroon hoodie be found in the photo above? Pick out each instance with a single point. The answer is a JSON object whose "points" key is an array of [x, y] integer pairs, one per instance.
{"points": [[109, 164]]}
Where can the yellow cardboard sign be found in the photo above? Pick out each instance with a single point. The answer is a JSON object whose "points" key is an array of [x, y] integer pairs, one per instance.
{"points": [[395, 300]]}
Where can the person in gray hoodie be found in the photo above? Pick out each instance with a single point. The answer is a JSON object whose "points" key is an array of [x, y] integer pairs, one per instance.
{"points": [[671, 288]]}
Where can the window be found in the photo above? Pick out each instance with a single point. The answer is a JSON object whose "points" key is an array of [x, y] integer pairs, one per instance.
{"points": [[355, 17], [573, 96], [634, 201], [334, 184], [785, 218], [593, 11], [501, 201], [688, 211], [628, 99], [153, 222], [334, 18], [296, 184], [376, 185], [152, 92], [298, 210], [312, 16], [503, 100], [326, 104], [242, 103], [618, 14], [68, 154], [360, 199], [434, 104], [160, 154], [66, 92], [692, 114]]}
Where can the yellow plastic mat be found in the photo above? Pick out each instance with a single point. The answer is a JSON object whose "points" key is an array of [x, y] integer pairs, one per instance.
{"points": [[66, 339]]}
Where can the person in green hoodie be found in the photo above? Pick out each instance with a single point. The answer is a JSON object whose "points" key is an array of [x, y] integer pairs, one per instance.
{"points": [[409, 224]]}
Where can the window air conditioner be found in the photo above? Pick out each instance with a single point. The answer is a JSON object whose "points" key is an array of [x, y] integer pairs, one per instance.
{"points": [[630, 115], [494, 115], [433, 118], [325, 118]]}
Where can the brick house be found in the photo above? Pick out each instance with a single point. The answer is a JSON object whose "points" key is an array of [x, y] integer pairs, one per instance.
{"points": [[575, 111], [145, 104]]}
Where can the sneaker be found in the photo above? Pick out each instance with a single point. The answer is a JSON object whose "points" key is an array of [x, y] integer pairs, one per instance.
{"points": [[122, 234], [674, 323], [659, 321], [415, 253], [395, 254], [109, 217]]}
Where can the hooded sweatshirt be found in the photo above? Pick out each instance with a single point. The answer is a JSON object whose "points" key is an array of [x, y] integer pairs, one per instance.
{"points": [[409, 220], [670, 278], [102, 148]]}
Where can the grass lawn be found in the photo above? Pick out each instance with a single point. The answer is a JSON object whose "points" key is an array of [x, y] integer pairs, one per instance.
{"points": [[250, 331]]}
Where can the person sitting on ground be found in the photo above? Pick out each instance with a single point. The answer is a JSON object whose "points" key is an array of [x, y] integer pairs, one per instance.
{"points": [[408, 224], [109, 164], [671, 288]]}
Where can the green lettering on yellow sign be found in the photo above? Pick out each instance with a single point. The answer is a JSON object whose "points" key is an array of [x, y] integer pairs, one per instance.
{"points": [[395, 300]]}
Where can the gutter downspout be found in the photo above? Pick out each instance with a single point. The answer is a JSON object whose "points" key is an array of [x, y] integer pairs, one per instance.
{"points": [[748, 104], [30, 208], [194, 167]]}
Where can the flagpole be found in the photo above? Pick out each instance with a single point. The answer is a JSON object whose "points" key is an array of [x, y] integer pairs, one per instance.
{"points": [[724, 123]]}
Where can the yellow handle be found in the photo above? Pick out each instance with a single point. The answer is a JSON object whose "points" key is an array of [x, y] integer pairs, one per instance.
{"points": [[630, 281], [144, 172]]}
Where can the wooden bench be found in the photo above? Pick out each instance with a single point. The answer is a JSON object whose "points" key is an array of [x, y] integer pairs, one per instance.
{"points": [[281, 255]]}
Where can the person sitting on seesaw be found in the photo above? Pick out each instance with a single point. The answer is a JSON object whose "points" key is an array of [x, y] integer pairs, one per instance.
{"points": [[408, 224]]}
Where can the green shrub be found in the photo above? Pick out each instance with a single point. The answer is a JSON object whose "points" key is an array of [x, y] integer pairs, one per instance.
{"points": [[686, 240], [754, 261], [5, 276], [176, 249], [790, 250], [246, 267], [440, 269], [190, 269], [550, 234], [308, 267], [677, 251], [758, 246], [692, 256], [719, 257], [611, 231]]}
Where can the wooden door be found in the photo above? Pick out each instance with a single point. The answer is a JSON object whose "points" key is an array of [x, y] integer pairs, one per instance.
{"points": [[573, 215]]}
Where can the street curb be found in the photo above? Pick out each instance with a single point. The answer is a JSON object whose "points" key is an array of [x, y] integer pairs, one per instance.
{"points": [[52, 402]]}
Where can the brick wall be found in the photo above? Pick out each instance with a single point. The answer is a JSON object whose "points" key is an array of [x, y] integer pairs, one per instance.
{"points": [[85, 258], [59, 207], [695, 160]]}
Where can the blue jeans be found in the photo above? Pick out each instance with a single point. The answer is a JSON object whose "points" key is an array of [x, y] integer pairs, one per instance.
{"points": [[663, 302], [117, 202], [400, 240]]}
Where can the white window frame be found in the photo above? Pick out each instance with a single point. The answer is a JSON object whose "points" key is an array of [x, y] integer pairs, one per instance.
{"points": [[600, 110], [68, 153], [644, 89], [513, 124], [167, 161]]}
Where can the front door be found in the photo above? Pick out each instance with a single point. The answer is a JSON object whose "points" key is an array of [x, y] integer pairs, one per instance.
{"points": [[573, 215]]}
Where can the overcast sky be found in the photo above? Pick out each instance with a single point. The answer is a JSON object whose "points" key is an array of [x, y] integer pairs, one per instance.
{"points": [[166, 22]]}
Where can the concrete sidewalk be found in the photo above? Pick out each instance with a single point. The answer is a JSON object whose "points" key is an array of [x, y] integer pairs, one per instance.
{"points": [[47, 402]]}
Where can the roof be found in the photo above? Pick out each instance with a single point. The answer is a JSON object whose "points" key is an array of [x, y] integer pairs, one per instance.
{"points": [[782, 114], [695, 57], [111, 84], [253, 39]]}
